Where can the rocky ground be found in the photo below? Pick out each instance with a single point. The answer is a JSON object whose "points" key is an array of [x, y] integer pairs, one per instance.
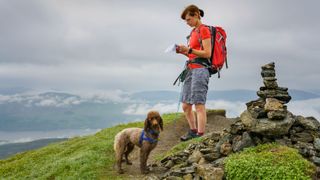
{"points": [[265, 120], [169, 138]]}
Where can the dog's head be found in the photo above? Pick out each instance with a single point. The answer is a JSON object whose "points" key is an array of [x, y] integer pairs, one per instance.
{"points": [[153, 122]]}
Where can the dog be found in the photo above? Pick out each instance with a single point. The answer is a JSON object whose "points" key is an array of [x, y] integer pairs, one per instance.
{"points": [[146, 139]]}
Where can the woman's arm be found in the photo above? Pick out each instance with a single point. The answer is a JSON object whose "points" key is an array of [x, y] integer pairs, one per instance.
{"points": [[205, 53]]}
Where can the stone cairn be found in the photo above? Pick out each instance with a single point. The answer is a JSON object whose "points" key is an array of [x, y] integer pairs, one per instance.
{"points": [[265, 120]]}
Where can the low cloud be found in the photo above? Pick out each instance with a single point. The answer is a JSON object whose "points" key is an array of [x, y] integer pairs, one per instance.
{"points": [[233, 109], [306, 108]]}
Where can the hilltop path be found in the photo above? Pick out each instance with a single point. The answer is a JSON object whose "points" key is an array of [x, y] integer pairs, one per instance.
{"points": [[169, 138]]}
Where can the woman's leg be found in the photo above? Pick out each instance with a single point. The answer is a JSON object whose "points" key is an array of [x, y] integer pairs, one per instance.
{"points": [[187, 109], [201, 117]]}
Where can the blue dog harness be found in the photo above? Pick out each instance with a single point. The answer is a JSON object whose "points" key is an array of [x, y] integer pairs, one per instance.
{"points": [[143, 137]]}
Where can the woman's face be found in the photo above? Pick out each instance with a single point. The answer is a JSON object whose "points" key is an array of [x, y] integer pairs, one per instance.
{"points": [[191, 20]]}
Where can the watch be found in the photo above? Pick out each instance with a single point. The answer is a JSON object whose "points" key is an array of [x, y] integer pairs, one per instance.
{"points": [[190, 51]]}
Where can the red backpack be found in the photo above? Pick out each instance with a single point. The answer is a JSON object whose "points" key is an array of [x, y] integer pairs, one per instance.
{"points": [[219, 50]]}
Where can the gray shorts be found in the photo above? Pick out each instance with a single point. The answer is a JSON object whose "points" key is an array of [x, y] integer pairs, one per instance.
{"points": [[195, 86]]}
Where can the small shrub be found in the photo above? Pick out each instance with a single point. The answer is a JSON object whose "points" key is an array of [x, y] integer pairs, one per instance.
{"points": [[268, 161]]}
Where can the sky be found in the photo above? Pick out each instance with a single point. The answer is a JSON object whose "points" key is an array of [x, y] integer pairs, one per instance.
{"points": [[82, 45]]}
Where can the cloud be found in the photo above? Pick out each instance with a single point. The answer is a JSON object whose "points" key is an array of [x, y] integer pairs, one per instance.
{"points": [[306, 108], [119, 45], [233, 108]]}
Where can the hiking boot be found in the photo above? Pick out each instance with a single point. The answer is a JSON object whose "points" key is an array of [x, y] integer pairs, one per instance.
{"points": [[189, 136]]}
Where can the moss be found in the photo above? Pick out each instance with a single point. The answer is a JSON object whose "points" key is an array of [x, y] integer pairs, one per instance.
{"points": [[268, 161]]}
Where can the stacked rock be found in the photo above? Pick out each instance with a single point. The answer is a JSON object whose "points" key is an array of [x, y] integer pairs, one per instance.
{"points": [[270, 109], [272, 97]]}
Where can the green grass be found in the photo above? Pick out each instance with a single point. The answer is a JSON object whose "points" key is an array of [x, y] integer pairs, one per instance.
{"points": [[268, 161], [89, 157]]}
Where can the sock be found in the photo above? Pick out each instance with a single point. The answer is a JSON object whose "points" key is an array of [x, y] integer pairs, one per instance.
{"points": [[200, 133], [194, 130]]}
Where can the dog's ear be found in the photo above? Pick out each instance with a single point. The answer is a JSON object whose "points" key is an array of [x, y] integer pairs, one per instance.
{"points": [[161, 123], [146, 124]]}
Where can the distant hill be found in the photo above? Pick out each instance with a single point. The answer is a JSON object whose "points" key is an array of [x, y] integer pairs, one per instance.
{"points": [[227, 95], [7, 150], [59, 110]]}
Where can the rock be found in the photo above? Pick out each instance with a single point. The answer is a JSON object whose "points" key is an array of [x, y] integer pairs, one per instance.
{"points": [[211, 156], [308, 123], [265, 126], [195, 157], [206, 150], [282, 89], [203, 161], [188, 170], [188, 177], [285, 141], [219, 162], [316, 143], [316, 160], [302, 137], [277, 115], [237, 128], [305, 149], [209, 172], [241, 142], [270, 84], [258, 112], [179, 160], [268, 73], [224, 138], [173, 178], [273, 104], [169, 164], [151, 177], [297, 128], [271, 93], [269, 66], [256, 103], [226, 148]]}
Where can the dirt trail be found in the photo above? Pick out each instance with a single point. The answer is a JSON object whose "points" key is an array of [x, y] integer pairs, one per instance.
{"points": [[169, 138]]}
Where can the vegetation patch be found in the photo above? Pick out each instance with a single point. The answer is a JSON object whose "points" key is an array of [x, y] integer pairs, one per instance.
{"points": [[89, 157], [268, 161]]}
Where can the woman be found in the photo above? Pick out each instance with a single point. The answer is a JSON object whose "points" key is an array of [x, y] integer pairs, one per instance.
{"points": [[195, 85]]}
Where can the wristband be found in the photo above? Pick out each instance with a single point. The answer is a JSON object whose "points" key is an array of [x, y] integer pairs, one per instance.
{"points": [[190, 51]]}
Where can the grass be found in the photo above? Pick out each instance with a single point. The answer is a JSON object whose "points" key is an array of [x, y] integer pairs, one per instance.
{"points": [[268, 161], [89, 157]]}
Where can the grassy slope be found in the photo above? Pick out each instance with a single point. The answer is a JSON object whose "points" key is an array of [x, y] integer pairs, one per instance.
{"points": [[88, 157]]}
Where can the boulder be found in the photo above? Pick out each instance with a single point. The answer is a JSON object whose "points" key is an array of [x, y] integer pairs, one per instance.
{"points": [[195, 157], [209, 172], [241, 142], [273, 104], [226, 148], [277, 114], [266, 127], [308, 123]]}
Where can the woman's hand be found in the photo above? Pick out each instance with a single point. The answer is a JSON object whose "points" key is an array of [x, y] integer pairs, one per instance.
{"points": [[182, 49]]}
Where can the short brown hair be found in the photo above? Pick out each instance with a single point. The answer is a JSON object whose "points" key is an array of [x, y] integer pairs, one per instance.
{"points": [[192, 10]]}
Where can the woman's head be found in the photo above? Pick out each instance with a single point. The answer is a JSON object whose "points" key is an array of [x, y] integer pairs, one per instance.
{"points": [[192, 15]]}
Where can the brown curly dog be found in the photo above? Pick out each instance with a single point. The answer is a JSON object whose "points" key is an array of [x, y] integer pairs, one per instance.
{"points": [[146, 139]]}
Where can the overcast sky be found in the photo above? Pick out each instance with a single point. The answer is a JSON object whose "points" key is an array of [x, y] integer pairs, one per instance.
{"points": [[119, 45]]}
